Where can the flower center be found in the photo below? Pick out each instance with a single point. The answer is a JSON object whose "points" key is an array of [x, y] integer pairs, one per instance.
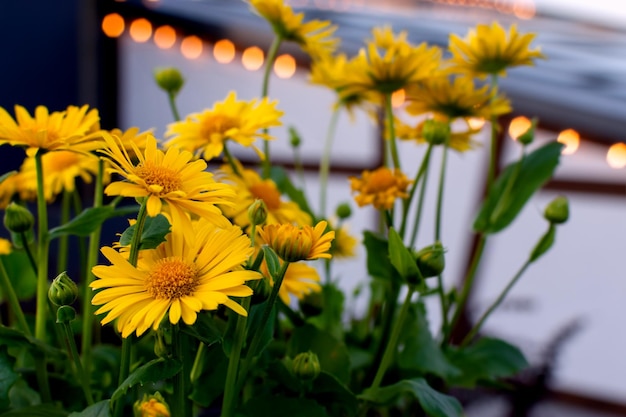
{"points": [[59, 161], [171, 278], [379, 181], [160, 180], [218, 124], [266, 191]]}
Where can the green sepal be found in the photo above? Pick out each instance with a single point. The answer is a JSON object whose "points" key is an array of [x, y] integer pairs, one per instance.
{"points": [[544, 244], [272, 261], [154, 231]]}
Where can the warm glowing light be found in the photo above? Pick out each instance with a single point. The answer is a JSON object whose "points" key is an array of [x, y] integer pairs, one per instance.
{"points": [[252, 58], [476, 123], [224, 51], [397, 98], [140, 30], [524, 9], [571, 139], [285, 66], [616, 156], [113, 25], [191, 47], [165, 37], [519, 126]]}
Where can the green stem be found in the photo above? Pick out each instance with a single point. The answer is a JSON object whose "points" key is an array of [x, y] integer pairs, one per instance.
{"points": [[181, 407], [196, 371], [11, 298], [493, 154], [387, 322], [73, 352], [442, 177], [269, 63], [63, 245], [418, 176], [92, 260], [29, 252], [325, 162], [230, 386], [231, 161], [420, 207], [171, 98], [392, 132], [495, 304]]}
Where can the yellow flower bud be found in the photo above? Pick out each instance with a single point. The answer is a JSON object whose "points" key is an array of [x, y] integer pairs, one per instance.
{"points": [[306, 366], [151, 406], [430, 260], [436, 132], [257, 212]]}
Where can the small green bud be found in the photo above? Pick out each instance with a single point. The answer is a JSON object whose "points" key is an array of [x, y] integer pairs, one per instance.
{"points": [[169, 79], [63, 290], [65, 314], [161, 350], [294, 137], [312, 304], [306, 366], [527, 137], [557, 211], [257, 212], [343, 211], [261, 290], [18, 219], [430, 260], [436, 132]]}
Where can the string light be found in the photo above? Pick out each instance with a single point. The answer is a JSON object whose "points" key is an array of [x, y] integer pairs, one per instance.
{"points": [[397, 98], [519, 126], [252, 58], [571, 139], [191, 47], [140, 30], [616, 156], [113, 25], [224, 51], [285, 66], [165, 37]]}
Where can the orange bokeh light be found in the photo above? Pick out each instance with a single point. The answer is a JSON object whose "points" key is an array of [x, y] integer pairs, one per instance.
{"points": [[140, 30], [191, 47], [113, 25], [524, 9], [397, 98], [224, 51], [252, 58], [165, 37], [571, 139], [616, 156], [519, 126], [285, 66], [476, 123]]}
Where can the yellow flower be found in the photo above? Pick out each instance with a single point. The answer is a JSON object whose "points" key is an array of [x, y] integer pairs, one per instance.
{"points": [[240, 121], [300, 279], [454, 98], [459, 141], [195, 269], [380, 187], [292, 243], [48, 131], [387, 64], [151, 406], [12, 185], [130, 136], [344, 244], [314, 36], [249, 186], [489, 50], [5, 246], [171, 177]]}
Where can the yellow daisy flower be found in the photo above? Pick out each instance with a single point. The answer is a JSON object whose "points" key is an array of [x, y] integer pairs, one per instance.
{"points": [[194, 269], [5, 246], [460, 141], [344, 244], [249, 186], [489, 50], [151, 406], [380, 187], [315, 37], [454, 98], [11, 186], [132, 135], [240, 121], [293, 243], [171, 177], [48, 131], [300, 279]]}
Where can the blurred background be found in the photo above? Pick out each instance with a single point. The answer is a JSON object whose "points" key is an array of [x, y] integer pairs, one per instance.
{"points": [[566, 312]]}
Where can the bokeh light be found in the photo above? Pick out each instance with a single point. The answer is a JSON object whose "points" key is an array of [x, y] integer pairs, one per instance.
{"points": [[252, 58], [616, 156], [140, 30], [397, 98], [285, 66], [519, 126], [113, 25], [224, 51], [165, 37], [571, 139]]}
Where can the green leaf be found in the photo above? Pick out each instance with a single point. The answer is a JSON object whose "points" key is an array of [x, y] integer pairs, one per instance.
{"points": [[205, 329], [334, 395], [420, 351], [378, 263], [284, 184], [21, 274], [434, 403], [402, 259], [21, 395], [8, 376], [154, 231], [99, 409], [504, 202], [210, 384], [544, 244], [255, 314], [332, 354], [89, 220], [153, 371], [486, 360], [41, 410], [331, 316], [272, 261], [270, 405], [16, 338]]}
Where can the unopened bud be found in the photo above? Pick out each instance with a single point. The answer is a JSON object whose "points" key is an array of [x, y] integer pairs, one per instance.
{"points": [[294, 137], [557, 211], [161, 350], [343, 211], [257, 212], [63, 290], [436, 132], [65, 314], [18, 219], [527, 137], [430, 260], [169, 79], [306, 366]]}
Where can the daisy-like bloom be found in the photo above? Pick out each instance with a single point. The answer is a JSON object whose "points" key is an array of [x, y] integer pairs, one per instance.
{"points": [[461, 141], [11, 186], [249, 186], [49, 131], [315, 37], [240, 121], [293, 243], [5, 246], [387, 64], [151, 406], [489, 50], [380, 187], [194, 269], [455, 98], [130, 136], [300, 279], [172, 177], [344, 244]]}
